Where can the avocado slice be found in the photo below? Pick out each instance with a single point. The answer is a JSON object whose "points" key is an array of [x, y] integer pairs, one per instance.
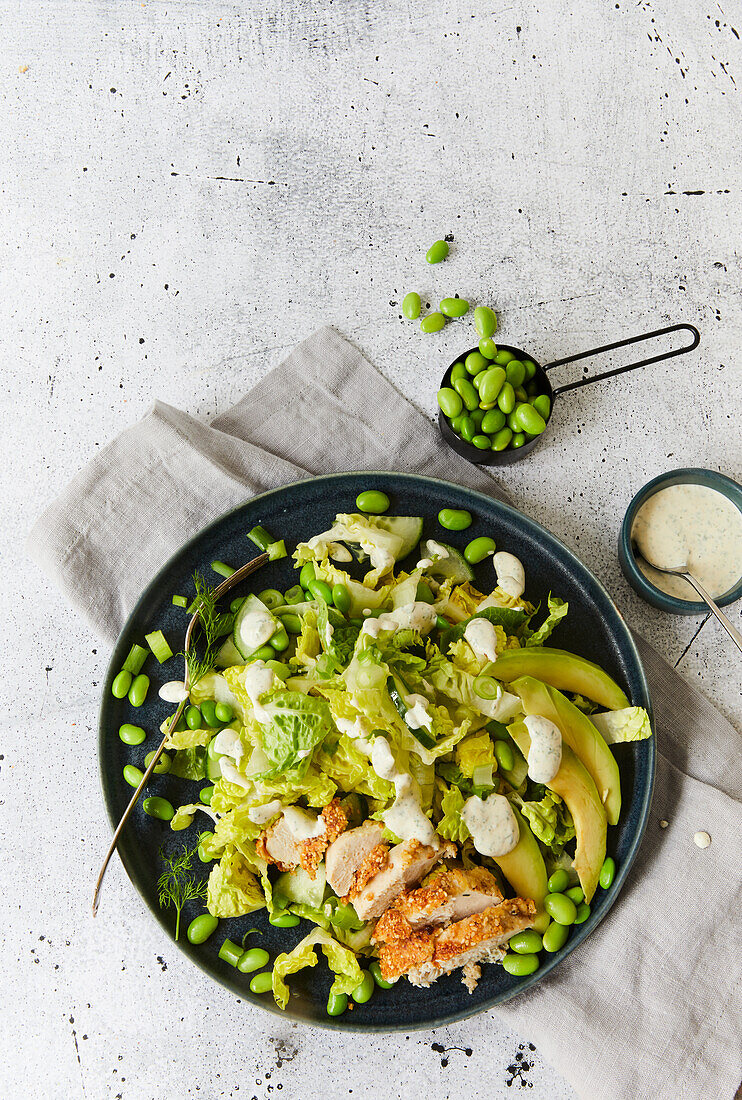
{"points": [[525, 870], [561, 670], [574, 784], [581, 736]]}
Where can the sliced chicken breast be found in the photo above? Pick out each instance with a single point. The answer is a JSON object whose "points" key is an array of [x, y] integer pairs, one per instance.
{"points": [[451, 896], [278, 845], [408, 863], [346, 854]]}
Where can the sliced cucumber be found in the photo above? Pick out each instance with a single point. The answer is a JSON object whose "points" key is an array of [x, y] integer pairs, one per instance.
{"points": [[244, 619], [455, 567], [213, 768], [408, 528], [229, 655], [298, 887]]}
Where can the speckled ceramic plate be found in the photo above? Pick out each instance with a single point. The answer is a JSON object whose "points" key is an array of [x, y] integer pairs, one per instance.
{"points": [[594, 628]]}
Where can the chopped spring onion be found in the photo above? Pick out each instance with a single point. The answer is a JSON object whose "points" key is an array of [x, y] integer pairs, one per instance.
{"points": [[180, 601], [486, 688], [222, 569], [274, 548], [482, 776], [135, 660], [157, 642]]}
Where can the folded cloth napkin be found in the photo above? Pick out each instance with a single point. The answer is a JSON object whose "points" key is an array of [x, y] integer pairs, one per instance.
{"points": [[650, 1005]]}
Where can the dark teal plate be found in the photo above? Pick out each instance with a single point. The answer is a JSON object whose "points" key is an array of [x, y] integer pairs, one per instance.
{"points": [[594, 628]]}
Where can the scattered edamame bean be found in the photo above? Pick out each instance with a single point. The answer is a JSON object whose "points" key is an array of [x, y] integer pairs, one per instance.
{"points": [[204, 839], [583, 912], [479, 549], [341, 598], [131, 735], [529, 419], [559, 881], [261, 983], [271, 597], [236, 604], [159, 808], [121, 684], [224, 712], [526, 943], [307, 574], [520, 965], [283, 919], [493, 420], [338, 1002], [542, 405], [475, 362], [504, 755], [449, 402], [501, 439], [477, 416], [511, 421], [163, 765], [373, 501], [208, 711], [467, 393], [265, 653], [132, 775], [291, 623], [454, 519], [555, 937], [457, 422], [491, 386], [506, 398], [488, 347], [575, 894], [411, 306], [482, 442], [375, 970], [230, 952], [201, 928], [205, 795], [295, 594], [515, 372], [562, 909], [458, 370], [485, 321], [253, 959], [434, 322], [138, 690], [280, 639], [193, 718], [453, 307], [607, 871], [437, 252], [365, 990], [321, 591]]}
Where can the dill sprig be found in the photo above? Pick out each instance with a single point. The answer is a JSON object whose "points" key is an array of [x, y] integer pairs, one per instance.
{"points": [[214, 625], [178, 884]]}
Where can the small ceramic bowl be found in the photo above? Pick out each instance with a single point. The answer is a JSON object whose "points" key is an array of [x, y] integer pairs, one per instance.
{"points": [[731, 490]]}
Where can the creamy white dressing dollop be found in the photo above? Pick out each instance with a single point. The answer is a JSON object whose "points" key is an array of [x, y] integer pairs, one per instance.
{"points": [[257, 627], [424, 563], [411, 616], [257, 679], [228, 743], [438, 550], [545, 750], [417, 716], [230, 773], [405, 817], [691, 524], [174, 691], [259, 815], [482, 637], [302, 824], [492, 824], [511, 576]]}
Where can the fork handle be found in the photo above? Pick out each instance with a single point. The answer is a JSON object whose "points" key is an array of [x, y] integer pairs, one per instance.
{"points": [[732, 631]]}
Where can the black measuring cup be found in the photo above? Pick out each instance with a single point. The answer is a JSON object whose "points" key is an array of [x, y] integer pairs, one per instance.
{"points": [[506, 457]]}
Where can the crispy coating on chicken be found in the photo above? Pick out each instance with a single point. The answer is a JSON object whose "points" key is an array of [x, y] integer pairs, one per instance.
{"points": [[452, 895], [277, 845], [376, 860]]}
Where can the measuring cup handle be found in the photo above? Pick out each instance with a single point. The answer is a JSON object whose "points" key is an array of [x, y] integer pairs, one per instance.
{"points": [[623, 344]]}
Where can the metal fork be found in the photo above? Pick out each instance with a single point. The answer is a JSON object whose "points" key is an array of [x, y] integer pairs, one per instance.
{"points": [[682, 571]]}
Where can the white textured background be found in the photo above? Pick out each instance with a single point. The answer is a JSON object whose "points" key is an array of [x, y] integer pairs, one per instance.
{"points": [[188, 189]]}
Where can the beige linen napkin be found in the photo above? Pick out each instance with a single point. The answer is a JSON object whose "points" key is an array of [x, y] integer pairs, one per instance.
{"points": [[650, 1005]]}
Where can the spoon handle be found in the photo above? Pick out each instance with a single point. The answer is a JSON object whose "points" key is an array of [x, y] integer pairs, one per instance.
{"points": [[732, 631]]}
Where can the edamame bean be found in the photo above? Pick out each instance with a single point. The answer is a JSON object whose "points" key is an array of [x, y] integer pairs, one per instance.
{"points": [[532, 388], [504, 755], [559, 881], [265, 653], [477, 380], [291, 623], [321, 591], [485, 321], [283, 920], [205, 795], [437, 252], [280, 639], [442, 622], [520, 394], [520, 965], [307, 574], [479, 549], [364, 991], [501, 439], [121, 684], [424, 593], [253, 959], [204, 839], [230, 952], [458, 370], [491, 385], [261, 983], [488, 347], [453, 307], [224, 713], [338, 1002], [193, 717], [561, 908], [449, 402], [159, 808], [434, 322], [542, 405], [607, 871], [201, 928], [468, 429], [515, 372], [525, 943], [138, 690], [236, 604], [512, 423], [475, 362], [504, 357], [131, 735], [411, 306], [506, 398], [457, 422], [529, 419], [341, 598], [467, 393], [530, 369], [518, 440], [454, 519], [555, 937], [295, 594], [271, 597], [583, 912], [477, 416], [208, 712], [375, 970], [163, 765], [132, 775], [482, 442], [492, 421], [373, 501], [575, 893]]}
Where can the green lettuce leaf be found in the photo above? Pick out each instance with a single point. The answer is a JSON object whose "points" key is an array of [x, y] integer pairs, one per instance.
{"points": [[189, 763], [511, 619], [475, 751], [550, 820], [382, 546], [451, 827], [351, 770], [189, 739], [214, 685], [233, 890], [341, 960], [337, 636], [627, 724], [293, 725], [308, 647], [557, 610]]}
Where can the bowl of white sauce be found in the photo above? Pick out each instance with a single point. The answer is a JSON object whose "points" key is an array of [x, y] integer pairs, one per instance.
{"points": [[692, 516]]}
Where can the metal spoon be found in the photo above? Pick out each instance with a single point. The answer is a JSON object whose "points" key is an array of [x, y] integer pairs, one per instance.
{"points": [[682, 571], [221, 590]]}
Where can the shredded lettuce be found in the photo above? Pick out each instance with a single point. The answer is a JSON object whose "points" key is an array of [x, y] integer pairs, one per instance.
{"points": [[450, 826], [549, 819], [341, 960], [295, 724], [473, 752], [557, 610], [233, 889], [627, 724]]}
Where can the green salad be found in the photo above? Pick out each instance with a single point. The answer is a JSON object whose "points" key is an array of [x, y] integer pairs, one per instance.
{"points": [[395, 754]]}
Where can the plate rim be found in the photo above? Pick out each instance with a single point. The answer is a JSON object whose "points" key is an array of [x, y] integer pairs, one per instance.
{"points": [[345, 1022]]}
